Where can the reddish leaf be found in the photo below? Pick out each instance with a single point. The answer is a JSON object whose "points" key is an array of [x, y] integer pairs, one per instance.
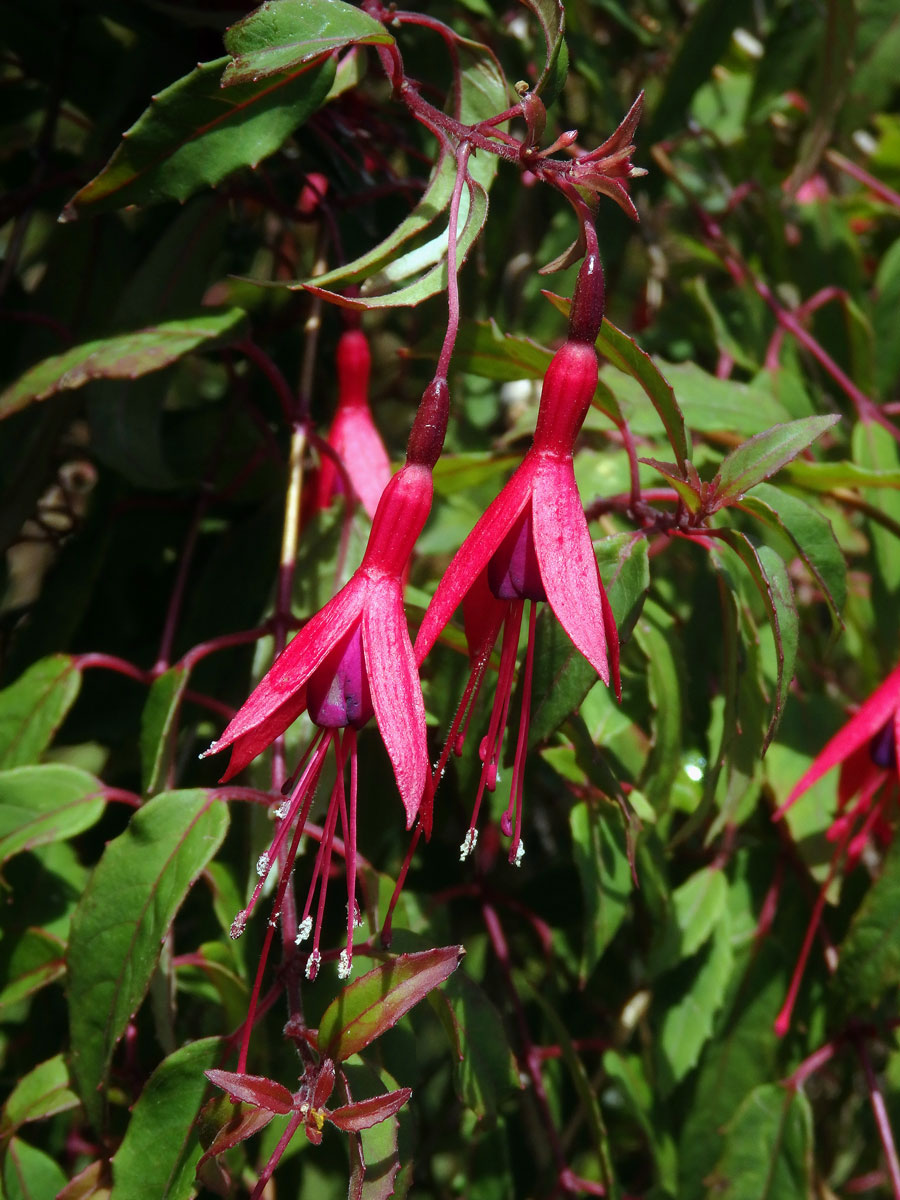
{"points": [[375, 1002], [240, 1123], [366, 1113], [255, 1089]]}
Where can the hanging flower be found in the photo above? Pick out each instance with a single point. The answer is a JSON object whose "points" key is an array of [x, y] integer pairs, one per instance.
{"points": [[352, 659], [531, 544], [353, 434], [868, 751]]}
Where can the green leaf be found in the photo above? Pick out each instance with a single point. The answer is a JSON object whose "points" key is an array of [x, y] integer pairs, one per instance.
{"points": [[375, 1002], [562, 677], [688, 1010], [812, 535], [768, 1148], [29, 1173], [37, 960], [282, 34], [768, 571], [123, 356], [822, 477], [767, 453], [874, 447], [884, 319], [33, 708], [159, 1153], [487, 1072], [601, 860], [483, 349], [552, 16], [665, 675], [869, 957], [46, 804], [129, 904], [195, 134], [697, 907], [42, 1093], [158, 726], [626, 355]]}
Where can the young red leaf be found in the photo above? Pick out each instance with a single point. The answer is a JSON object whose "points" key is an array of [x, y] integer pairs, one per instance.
{"points": [[366, 1113], [240, 1122], [375, 1002], [255, 1089]]}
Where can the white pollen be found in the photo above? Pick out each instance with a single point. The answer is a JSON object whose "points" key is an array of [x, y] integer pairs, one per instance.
{"points": [[213, 748], [520, 853], [312, 964], [470, 841], [262, 864], [357, 915], [304, 929], [344, 965], [282, 810], [238, 925]]}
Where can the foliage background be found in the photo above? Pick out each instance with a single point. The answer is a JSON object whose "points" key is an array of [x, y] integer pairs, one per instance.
{"points": [[647, 1012]]}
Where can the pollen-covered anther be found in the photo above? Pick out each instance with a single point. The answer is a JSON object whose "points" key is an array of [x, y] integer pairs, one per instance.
{"points": [[345, 964], [520, 853], [312, 965], [304, 929], [262, 864], [469, 842], [357, 915], [238, 925], [282, 810]]}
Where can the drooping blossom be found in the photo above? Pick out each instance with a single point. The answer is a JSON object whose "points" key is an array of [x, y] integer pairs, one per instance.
{"points": [[353, 434], [351, 660], [532, 544], [868, 751]]}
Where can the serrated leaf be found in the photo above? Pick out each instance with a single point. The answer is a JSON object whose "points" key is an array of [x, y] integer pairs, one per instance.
{"points": [[769, 573], [159, 1152], [364, 1114], [283, 34], [131, 900], [42, 1093], [376, 1001], [195, 134], [33, 707], [158, 726], [254, 1089], [29, 1173], [601, 860], [122, 356], [767, 453], [768, 1148], [869, 957], [812, 535], [46, 804], [686, 1019], [562, 677]]}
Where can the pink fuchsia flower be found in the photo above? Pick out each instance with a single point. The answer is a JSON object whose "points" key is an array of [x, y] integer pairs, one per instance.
{"points": [[868, 751], [352, 659], [532, 544], [353, 435]]}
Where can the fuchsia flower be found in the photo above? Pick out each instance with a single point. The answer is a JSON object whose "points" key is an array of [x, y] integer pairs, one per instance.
{"points": [[533, 544], [352, 659], [353, 435], [868, 751]]}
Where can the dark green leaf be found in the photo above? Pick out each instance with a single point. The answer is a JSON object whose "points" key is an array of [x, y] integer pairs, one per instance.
{"points": [[375, 1002], [32, 709], [123, 356], [160, 1150], [665, 676], [130, 902], [811, 532], [874, 448], [552, 16], [767, 453], [46, 804], [768, 1148], [487, 1072], [283, 34], [869, 959], [158, 726], [601, 859], [37, 960], [194, 134], [887, 305]]}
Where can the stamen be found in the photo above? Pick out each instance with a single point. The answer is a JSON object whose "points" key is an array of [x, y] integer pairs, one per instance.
{"points": [[518, 783], [262, 865], [344, 965], [312, 965], [238, 925], [304, 929], [519, 853], [469, 842]]}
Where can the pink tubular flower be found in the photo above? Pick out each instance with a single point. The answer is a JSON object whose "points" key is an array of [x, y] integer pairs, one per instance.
{"points": [[352, 659], [868, 751], [353, 435], [533, 544]]}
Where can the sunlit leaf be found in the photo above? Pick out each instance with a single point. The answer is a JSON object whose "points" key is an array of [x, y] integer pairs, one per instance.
{"points": [[767, 453], [46, 804]]}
